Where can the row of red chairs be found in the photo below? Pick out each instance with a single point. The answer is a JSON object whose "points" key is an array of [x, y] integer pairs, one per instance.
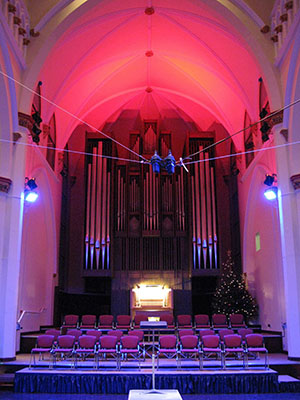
{"points": [[181, 332], [68, 347], [188, 346], [200, 321]]}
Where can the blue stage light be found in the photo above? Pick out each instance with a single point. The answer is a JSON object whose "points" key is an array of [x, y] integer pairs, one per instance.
{"points": [[30, 196], [155, 162], [271, 193], [170, 163]]}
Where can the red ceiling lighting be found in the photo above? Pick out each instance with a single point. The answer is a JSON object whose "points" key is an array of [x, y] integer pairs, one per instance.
{"points": [[149, 53]]}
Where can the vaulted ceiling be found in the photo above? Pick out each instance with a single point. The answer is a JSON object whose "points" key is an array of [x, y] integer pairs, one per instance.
{"points": [[197, 58]]}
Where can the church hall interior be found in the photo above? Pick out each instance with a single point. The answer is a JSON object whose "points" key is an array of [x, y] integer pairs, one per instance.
{"points": [[150, 134]]}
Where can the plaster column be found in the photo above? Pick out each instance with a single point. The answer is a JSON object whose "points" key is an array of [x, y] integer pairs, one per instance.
{"points": [[11, 220], [289, 212]]}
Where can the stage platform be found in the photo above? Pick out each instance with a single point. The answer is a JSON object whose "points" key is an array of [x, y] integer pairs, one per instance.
{"points": [[120, 382], [188, 380]]}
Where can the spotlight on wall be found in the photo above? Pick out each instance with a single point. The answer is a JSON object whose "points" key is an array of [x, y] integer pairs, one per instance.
{"points": [[30, 194], [271, 192]]}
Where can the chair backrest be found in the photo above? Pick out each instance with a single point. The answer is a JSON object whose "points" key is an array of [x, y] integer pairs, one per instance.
{"points": [[219, 319], [245, 331], [45, 341], [189, 341], [88, 319], [106, 320], [169, 318], [54, 332], [184, 319], [97, 334], [211, 341], [123, 320], [140, 317], [168, 341], [206, 332], [71, 319], [236, 319], [202, 319], [185, 332], [138, 333], [108, 342], [87, 341], [225, 332], [74, 332], [116, 332], [129, 342], [255, 340], [233, 340], [66, 341]]}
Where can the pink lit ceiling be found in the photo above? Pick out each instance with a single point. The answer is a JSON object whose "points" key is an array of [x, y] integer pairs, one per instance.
{"points": [[201, 68]]}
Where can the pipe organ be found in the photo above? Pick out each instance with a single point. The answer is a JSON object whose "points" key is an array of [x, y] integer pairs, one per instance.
{"points": [[204, 218], [98, 208], [140, 221]]}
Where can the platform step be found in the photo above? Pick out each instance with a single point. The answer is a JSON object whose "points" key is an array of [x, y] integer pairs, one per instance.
{"points": [[288, 384]]}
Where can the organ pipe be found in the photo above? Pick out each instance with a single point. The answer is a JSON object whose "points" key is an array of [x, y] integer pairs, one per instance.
{"points": [[97, 239]]}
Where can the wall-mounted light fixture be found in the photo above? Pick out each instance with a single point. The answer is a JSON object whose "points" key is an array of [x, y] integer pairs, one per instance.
{"points": [[272, 191], [30, 194]]}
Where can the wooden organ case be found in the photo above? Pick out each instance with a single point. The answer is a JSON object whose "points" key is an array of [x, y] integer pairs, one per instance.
{"points": [[140, 221]]}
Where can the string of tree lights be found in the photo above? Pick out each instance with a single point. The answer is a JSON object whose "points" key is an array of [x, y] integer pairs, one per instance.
{"points": [[232, 296]]}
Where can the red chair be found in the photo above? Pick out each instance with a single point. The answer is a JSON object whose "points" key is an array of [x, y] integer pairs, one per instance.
{"points": [[65, 348], [123, 322], [74, 332], [184, 321], [140, 334], [211, 345], [139, 318], [255, 345], [130, 347], [95, 333], [88, 322], [169, 318], [233, 346], [189, 348], [116, 332], [219, 321], [106, 321], [44, 345], [202, 321], [86, 347], [137, 332], [167, 347], [224, 332], [237, 321], [206, 332], [185, 332], [53, 332], [243, 332], [71, 321], [108, 347]]}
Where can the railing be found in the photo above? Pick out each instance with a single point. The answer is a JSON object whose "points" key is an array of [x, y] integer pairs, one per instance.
{"points": [[18, 21], [24, 312], [283, 18]]}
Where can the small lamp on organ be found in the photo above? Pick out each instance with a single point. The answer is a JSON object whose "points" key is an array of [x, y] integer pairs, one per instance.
{"points": [[30, 194]]}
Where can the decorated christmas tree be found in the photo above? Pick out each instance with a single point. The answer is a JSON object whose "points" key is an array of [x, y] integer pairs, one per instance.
{"points": [[232, 296]]}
